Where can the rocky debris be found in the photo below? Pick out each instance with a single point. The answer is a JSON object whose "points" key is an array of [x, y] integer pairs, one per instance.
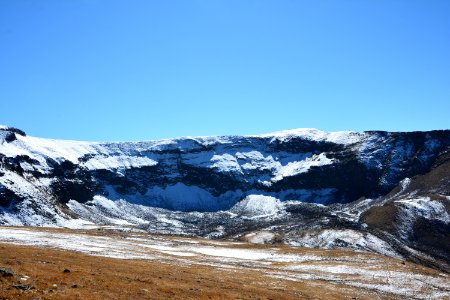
{"points": [[6, 272], [24, 287]]}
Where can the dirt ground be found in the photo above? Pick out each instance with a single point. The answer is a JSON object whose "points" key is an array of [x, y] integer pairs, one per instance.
{"points": [[42, 272], [90, 277]]}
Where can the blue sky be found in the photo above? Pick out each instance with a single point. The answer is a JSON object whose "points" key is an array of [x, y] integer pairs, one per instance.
{"points": [[139, 70]]}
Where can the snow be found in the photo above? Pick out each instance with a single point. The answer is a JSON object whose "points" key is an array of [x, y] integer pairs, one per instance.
{"points": [[261, 237], [255, 165], [11, 150], [186, 198], [246, 162], [244, 254], [102, 210], [413, 208], [339, 137], [249, 158], [342, 238], [103, 155], [258, 206], [129, 248], [346, 269], [225, 163], [371, 154], [255, 160], [58, 149], [426, 208], [298, 167], [394, 282], [118, 162], [405, 183], [34, 210], [147, 248], [179, 253]]}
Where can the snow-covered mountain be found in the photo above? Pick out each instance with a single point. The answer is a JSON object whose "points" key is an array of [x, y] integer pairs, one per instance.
{"points": [[367, 190]]}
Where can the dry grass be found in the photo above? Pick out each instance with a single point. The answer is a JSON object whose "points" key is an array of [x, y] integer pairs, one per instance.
{"points": [[39, 274], [106, 278]]}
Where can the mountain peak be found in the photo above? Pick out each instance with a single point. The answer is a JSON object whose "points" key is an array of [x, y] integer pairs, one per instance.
{"points": [[338, 137], [12, 129]]}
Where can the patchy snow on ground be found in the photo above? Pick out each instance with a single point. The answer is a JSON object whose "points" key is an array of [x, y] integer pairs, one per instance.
{"points": [[426, 208], [245, 254], [260, 237], [354, 269], [342, 238]]}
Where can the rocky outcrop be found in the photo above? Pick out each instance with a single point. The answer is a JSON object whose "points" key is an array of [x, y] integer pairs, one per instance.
{"points": [[307, 165], [383, 191]]}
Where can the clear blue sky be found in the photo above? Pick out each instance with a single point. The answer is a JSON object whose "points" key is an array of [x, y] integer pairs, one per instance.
{"points": [[139, 70]]}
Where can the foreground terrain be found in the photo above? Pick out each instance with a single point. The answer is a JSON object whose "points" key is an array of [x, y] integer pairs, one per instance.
{"points": [[99, 264]]}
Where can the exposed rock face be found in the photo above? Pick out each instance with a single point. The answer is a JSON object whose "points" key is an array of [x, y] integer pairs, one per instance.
{"points": [[417, 212], [194, 186], [208, 174]]}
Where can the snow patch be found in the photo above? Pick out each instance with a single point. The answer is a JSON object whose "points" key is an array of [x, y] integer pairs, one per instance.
{"points": [[426, 208], [225, 163], [343, 238], [298, 167], [233, 253], [338, 137], [257, 206], [183, 197], [118, 162], [262, 237]]}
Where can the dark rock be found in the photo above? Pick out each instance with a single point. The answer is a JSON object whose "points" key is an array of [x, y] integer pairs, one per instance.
{"points": [[6, 272], [15, 130], [433, 237], [23, 287], [78, 190], [10, 137], [369, 169], [393, 156], [66, 271], [8, 197]]}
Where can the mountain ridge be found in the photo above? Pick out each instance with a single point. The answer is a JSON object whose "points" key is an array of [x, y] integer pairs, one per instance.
{"points": [[269, 163], [296, 186]]}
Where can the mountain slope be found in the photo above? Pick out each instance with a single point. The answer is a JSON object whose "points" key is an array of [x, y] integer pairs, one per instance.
{"points": [[385, 192], [209, 174]]}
